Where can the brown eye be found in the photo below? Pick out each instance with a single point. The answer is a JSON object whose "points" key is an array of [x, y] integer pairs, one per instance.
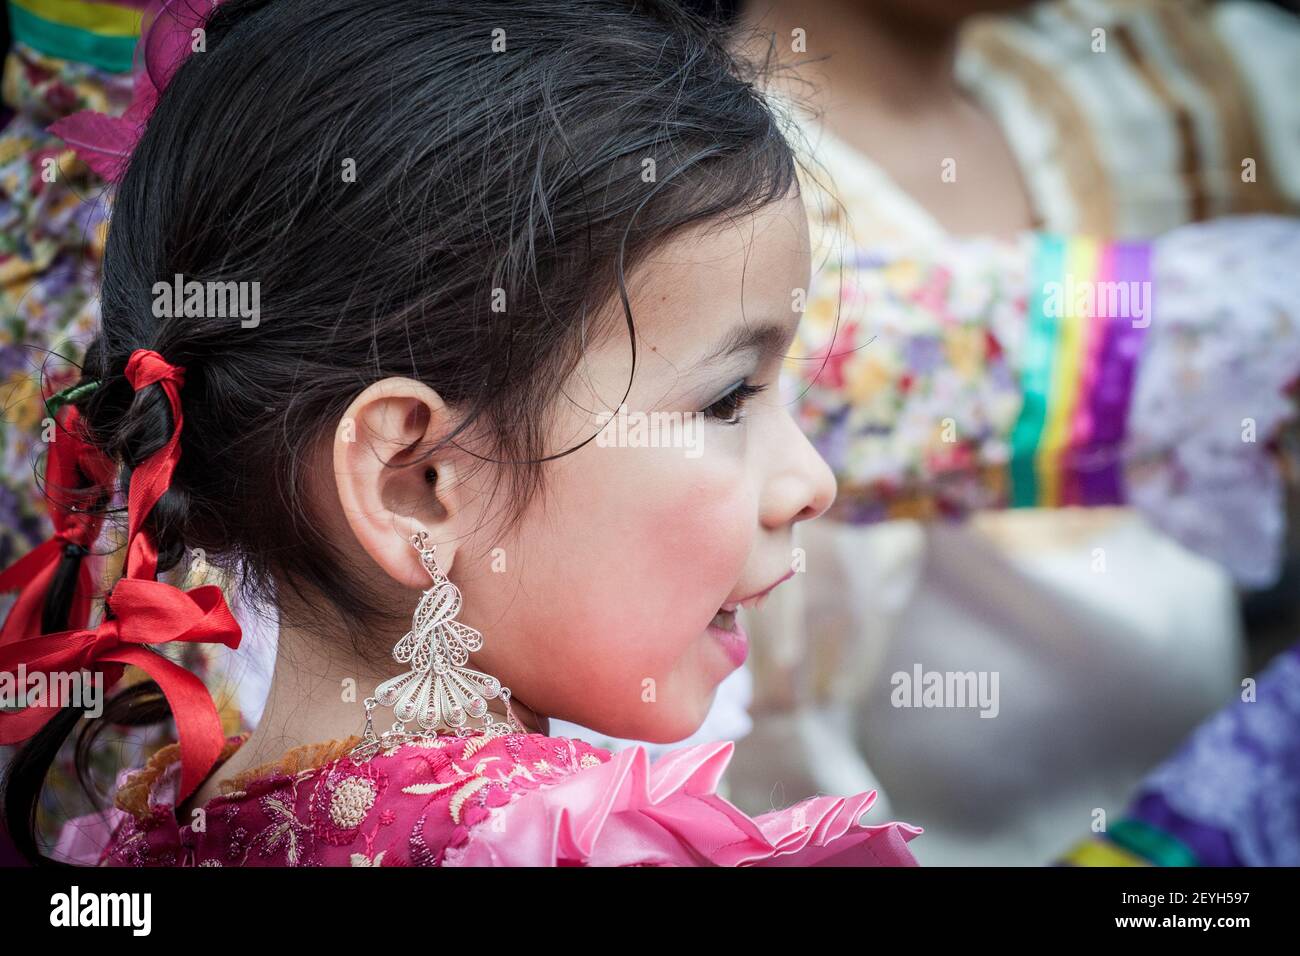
{"points": [[727, 409]]}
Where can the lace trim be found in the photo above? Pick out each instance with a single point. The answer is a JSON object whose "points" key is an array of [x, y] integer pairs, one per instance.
{"points": [[133, 796], [294, 761]]}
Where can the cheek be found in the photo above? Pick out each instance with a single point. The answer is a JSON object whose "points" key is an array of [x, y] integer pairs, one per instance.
{"points": [[697, 539], [686, 529], [638, 549]]}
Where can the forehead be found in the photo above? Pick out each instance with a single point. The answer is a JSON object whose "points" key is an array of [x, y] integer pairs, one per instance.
{"points": [[692, 291]]}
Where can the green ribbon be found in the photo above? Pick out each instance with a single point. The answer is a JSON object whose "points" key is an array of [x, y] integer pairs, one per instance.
{"points": [[72, 393], [1161, 848], [1036, 372]]}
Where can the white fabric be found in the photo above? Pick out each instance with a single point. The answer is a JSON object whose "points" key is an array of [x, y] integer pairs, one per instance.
{"points": [[1100, 674]]}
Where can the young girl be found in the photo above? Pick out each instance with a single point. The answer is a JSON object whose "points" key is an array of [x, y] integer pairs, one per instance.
{"points": [[514, 284]]}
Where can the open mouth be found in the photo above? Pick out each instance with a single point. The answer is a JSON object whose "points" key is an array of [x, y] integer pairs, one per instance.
{"points": [[724, 620], [730, 635]]}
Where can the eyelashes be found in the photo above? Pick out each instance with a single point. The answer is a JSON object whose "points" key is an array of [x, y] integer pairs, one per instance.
{"points": [[728, 408]]}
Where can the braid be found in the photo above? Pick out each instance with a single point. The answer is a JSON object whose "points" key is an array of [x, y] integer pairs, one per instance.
{"points": [[74, 486], [111, 422]]}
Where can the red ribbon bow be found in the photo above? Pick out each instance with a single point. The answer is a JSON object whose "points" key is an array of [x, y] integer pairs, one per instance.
{"points": [[144, 611], [76, 475]]}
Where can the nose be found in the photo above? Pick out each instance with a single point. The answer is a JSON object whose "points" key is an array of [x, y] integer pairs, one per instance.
{"points": [[801, 485]]}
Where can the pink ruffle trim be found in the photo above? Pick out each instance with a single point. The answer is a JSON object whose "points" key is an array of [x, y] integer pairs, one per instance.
{"points": [[626, 812]]}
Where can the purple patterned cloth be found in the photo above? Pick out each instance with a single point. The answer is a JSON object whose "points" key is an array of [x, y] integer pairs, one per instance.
{"points": [[1232, 792]]}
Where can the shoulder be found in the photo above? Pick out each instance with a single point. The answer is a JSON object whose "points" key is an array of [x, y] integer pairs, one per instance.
{"points": [[405, 806], [512, 800], [409, 805], [316, 806]]}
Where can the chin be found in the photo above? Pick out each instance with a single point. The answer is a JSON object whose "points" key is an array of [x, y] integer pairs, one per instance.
{"points": [[660, 727], [668, 728]]}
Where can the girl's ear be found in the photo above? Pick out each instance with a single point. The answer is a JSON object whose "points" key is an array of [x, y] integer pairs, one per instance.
{"points": [[388, 485]]}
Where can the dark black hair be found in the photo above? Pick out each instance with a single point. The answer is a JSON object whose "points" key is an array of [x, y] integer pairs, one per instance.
{"points": [[498, 145]]}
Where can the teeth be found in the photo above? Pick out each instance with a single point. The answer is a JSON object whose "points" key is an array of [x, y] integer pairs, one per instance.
{"points": [[736, 605]]}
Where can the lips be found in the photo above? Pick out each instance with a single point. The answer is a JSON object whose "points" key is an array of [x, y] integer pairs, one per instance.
{"points": [[731, 637], [756, 599], [726, 627]]}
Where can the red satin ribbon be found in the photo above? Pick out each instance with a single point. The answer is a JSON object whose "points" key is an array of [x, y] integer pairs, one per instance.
{"points": [[144, 611], [76, 475], [152, 476]]}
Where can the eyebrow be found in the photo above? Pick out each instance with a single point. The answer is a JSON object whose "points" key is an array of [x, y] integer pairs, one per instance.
{"points": [[765, 337]]}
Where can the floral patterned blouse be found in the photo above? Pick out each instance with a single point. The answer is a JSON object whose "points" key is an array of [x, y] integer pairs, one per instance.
{"points": [[512, 800]]}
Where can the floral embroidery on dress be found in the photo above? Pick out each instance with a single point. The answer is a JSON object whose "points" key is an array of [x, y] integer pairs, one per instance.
{"points": [[344, 800], [285, 833]]}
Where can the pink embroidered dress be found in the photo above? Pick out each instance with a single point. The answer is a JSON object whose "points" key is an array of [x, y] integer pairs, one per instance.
{"points": [[512, 800]]}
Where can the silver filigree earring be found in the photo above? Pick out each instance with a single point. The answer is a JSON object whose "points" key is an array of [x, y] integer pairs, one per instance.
{"points": [[439, 691]]}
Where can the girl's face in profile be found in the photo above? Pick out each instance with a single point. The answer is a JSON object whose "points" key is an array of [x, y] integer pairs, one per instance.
{"points": [[597, 608]]}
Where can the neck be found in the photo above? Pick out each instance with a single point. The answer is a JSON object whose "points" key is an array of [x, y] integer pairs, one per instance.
{"points": [[318, 691], [865, 56]]}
